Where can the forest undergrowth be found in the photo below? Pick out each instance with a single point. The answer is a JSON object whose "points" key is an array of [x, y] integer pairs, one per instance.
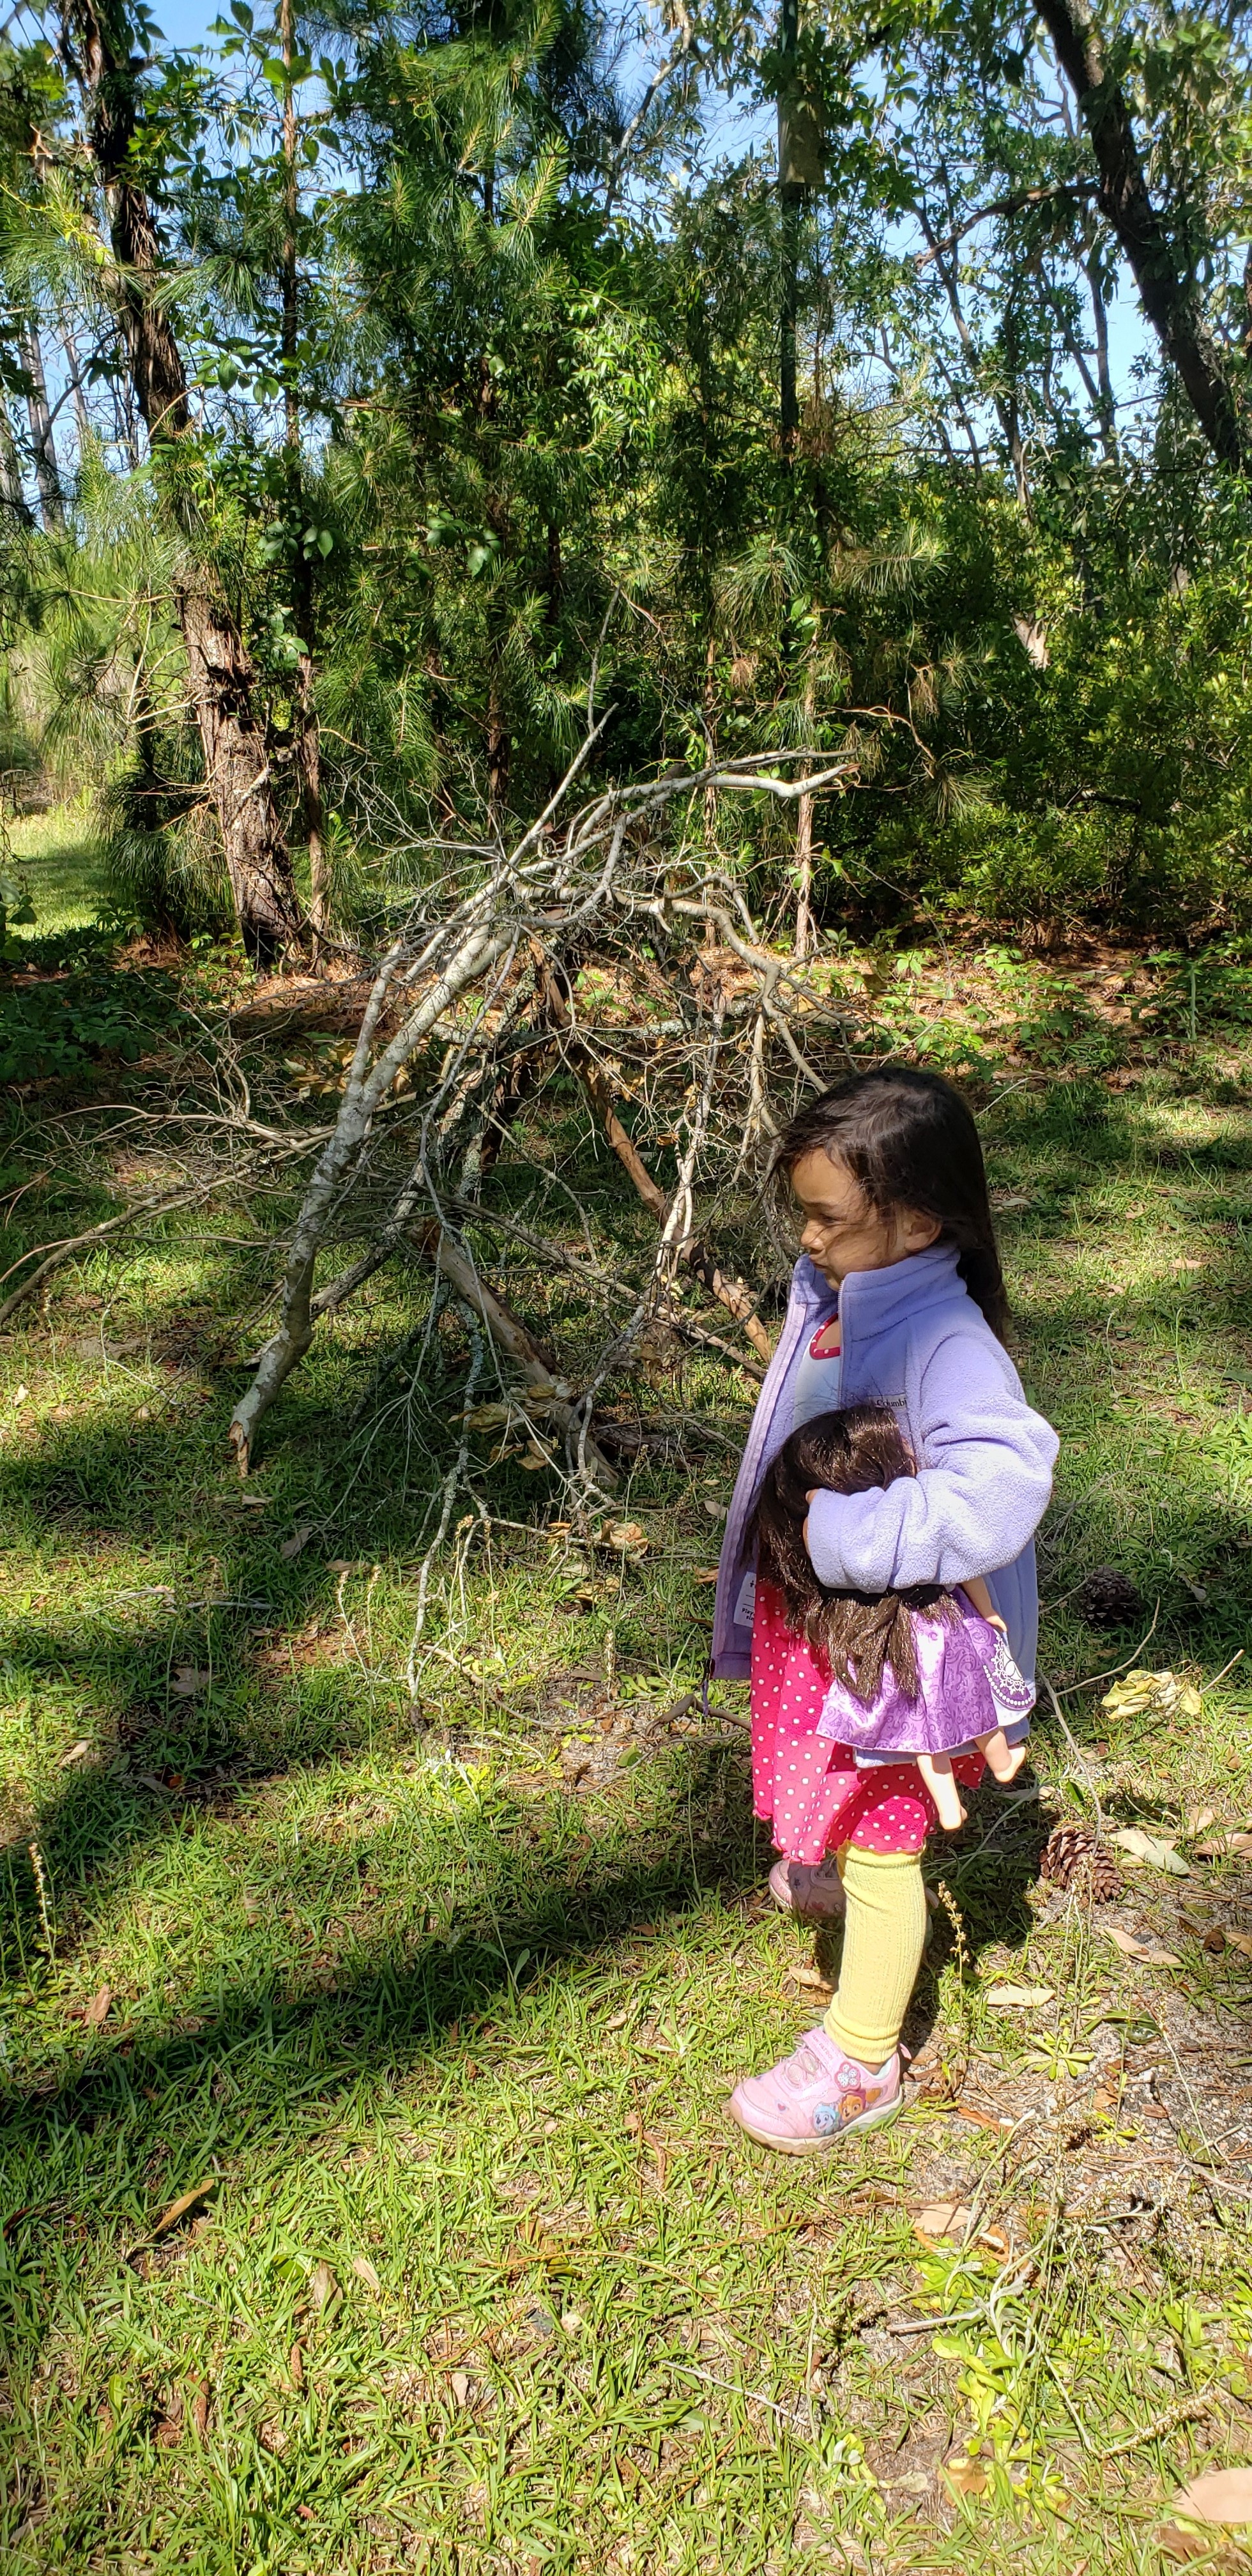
{"points": [[372, 1999]]}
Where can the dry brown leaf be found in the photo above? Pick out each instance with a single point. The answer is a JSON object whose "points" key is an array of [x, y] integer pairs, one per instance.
{"points": [[1221, 2495], [77, 1752], [981, 2119], [941, 2218], [347, 1565], [965, 2476], [182, 2207], [626, 1536], [1019, 1998], [1151, 1953], [705, 1574], [200, 2408], [1239, 1940], [1183, 2545], [97, 2010], [188, 1683], [322, 2285], [1157, 1849], [809, 1977], [295, 2365], [1219, 1843], [298, 1541], [460, 2386], [365, 2271], [1199, 1820], [169, 2429]]}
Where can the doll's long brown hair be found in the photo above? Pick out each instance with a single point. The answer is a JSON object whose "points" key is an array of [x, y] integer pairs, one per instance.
{"points": [[857, 1633]]}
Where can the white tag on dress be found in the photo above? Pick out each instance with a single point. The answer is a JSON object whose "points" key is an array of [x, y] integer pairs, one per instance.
{"points": [[745, 1606]]}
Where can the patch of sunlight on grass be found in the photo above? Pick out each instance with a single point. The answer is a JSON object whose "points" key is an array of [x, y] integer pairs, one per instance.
{"points": [[58, 857]]}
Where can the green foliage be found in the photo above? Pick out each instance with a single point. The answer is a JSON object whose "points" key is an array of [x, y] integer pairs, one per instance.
{"points": [[87, 1015], [478, 401]]}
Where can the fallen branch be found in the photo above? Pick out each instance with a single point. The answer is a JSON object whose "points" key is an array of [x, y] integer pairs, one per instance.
{"points": [[695, 1254], [481, 908], [477, 948], [554, 1396], [606, 1281]]}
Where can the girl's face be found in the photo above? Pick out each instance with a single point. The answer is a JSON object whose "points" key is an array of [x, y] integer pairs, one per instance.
{"points": [[841, 1231]]}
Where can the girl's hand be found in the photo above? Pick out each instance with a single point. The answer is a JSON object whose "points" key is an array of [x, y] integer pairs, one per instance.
{"points": [[810, 1497]]}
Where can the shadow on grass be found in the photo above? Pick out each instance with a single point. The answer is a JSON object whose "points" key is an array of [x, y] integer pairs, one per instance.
{"points": [[263, 2068]]}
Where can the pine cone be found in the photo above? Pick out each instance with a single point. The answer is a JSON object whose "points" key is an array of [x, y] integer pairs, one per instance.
{"points": [[1076, 1857], [1108, 1599]]}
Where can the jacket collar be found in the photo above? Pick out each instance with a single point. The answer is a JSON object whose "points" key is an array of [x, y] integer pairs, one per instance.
{"points": [[877, 1301]]}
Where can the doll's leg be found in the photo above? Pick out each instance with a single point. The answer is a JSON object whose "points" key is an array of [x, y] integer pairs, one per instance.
{"points": [[936, 1771], [1003, 1760]]}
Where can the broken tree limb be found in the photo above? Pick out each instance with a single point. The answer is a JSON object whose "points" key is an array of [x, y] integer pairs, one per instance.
{"points": [[695, 1254], [477, 949], [607, 1283], [509, 1335]]}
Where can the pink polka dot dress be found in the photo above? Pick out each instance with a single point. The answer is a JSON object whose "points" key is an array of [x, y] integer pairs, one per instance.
{"points": [[809, 1788]]}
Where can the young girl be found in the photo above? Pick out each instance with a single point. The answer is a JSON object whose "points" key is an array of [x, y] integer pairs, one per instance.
{"points": [[917, 1675], [898, 1301]]}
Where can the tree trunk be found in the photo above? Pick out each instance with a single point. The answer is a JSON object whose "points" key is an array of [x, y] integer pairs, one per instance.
{"points": [[43, 448], [804, 879], [81, 414], [499, 747], [11, 493], [1159, 265], [221, 678], [308, 744], [221, 683]]}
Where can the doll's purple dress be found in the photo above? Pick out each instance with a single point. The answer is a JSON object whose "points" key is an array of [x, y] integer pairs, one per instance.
{"points": [[968, 1684]]}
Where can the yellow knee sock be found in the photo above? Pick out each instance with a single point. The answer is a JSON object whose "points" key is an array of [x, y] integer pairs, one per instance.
{"points": [[884, 1936]]}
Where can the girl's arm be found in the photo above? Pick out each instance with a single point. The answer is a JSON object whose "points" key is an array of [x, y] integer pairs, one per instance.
{"points": [[971, 1509]]}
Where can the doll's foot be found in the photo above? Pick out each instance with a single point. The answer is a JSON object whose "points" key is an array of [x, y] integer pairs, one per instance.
{"points": [[812, 2099], [1003, 1760], [814, 1892]]}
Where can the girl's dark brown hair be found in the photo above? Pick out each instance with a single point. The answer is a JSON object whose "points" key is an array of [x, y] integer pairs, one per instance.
{"points": [[909, 1140], [857, 1633]]}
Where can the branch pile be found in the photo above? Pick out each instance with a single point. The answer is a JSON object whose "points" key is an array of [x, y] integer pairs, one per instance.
{"points": [[474, 1008]]}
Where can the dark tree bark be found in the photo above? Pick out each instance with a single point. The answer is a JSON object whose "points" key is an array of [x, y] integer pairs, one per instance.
{"points": [[221, 677], [308, 747], [43, 445], [1160, 269]]}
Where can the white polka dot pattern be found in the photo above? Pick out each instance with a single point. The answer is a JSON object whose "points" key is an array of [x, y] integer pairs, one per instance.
{"points": [[809, 1787]]}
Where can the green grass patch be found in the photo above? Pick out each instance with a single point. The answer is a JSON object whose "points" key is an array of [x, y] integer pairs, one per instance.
{"points": [[56, 854], [431, 2005]]}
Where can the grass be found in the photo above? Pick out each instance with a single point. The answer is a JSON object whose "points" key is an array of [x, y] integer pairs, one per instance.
{"points": [[435, 2008], [54, 853]]}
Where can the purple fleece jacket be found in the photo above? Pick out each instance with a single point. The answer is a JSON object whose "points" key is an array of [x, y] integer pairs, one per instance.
{"points": [[913, 1339]]}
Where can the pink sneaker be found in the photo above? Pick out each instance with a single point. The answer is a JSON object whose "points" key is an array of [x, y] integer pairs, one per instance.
{"points": [[813, 2099], [814, 1892]]}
